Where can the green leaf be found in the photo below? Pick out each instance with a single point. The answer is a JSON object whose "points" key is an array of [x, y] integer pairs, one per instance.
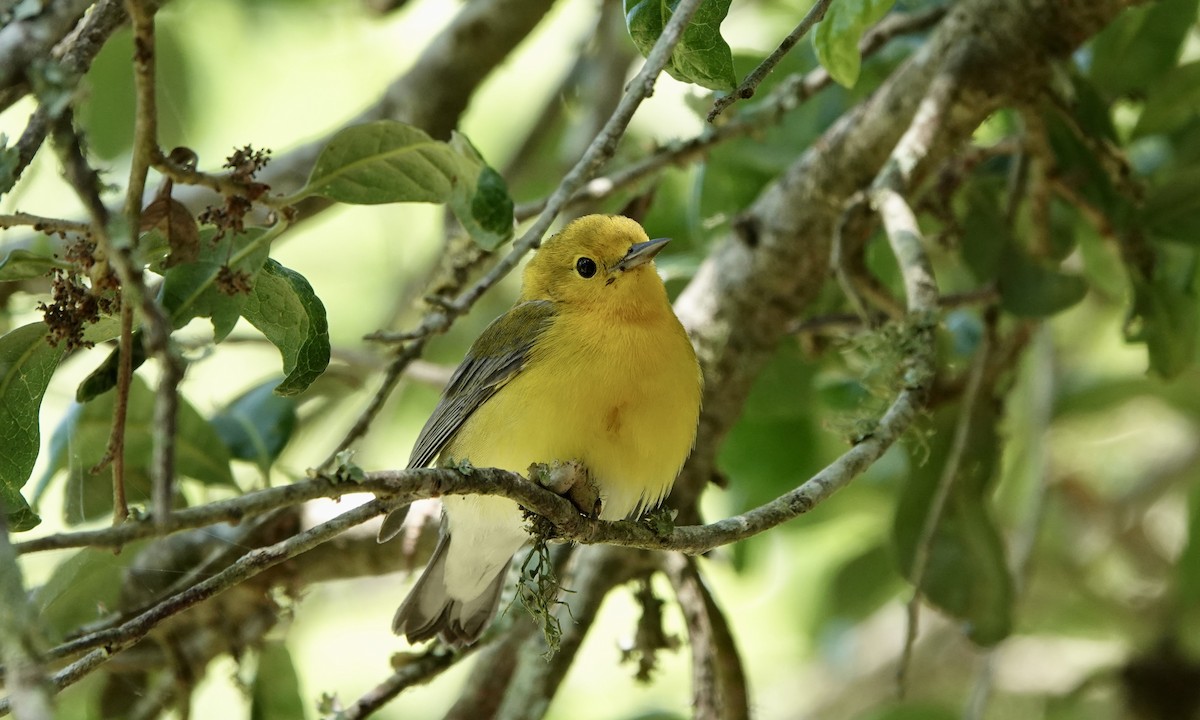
{"points": [[257, 425], [82, 589], [10, 158], [1171, 101], [1171, 210], [863, 584], [1032, 288], [482, 205], [202, 288], [285, 309], [702, 56], [27, 360], [1166, 318], [199, 451], [912, 710], [966, 574], [985, 230], [836, 36], [384, 162], [276, 694], [104, 377], [24, 265], [1079, 166], [1140, 46], [388, 161], [107, 116], [777, 439]]}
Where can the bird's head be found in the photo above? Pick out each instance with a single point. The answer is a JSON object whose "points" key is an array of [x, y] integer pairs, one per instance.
{"points": [[598, 261]]}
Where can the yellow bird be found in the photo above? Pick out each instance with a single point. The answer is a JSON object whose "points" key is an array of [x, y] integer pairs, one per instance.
{"points": [[590, 365]]}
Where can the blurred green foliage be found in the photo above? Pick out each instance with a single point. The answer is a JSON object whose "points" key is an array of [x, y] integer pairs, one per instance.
{"points": [[1068, 548]]}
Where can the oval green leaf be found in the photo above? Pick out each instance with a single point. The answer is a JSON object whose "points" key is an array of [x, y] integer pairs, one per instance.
{"points": [[257, 424], [836, 37], [702, 56], [27, 361], [285, 309]]}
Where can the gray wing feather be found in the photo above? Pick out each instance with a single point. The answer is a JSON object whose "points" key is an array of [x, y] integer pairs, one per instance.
{"points": [[495, 358]]}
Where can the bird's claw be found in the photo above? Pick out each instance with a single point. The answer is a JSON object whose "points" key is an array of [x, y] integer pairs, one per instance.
{"points": [[571, 480]]}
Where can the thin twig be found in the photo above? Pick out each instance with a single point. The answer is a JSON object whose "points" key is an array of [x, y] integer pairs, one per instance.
{"points": [[950, 471], [22, 41], [145, 121], [834, 322], [416, 671], [110, 642], [746, 90], [74, 54], [598, 152], [896, 177], [116, 441], [226, 184], [789, 95], [46, 225], [158, 342]]}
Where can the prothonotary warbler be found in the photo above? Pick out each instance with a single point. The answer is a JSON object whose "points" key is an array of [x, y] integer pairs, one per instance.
{"points": [[590, 366]]}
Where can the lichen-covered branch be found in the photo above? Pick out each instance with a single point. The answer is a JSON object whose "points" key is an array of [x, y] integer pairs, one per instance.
{"points": [[109, 642]]}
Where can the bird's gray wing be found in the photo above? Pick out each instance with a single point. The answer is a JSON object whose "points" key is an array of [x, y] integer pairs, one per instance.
{"points": [[497, 355]]}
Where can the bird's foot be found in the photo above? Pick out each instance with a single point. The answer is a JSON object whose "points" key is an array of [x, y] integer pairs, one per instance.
{"points": [[571, 480]]}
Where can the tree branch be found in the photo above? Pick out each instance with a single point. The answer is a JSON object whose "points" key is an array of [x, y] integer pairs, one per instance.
{"points": [[24, 41], [112, 641], [738, 304], [597, 570], [719, 689], [414, 671]]}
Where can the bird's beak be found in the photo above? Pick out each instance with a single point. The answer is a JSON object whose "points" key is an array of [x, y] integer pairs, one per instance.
{"points": [[642, 253]]}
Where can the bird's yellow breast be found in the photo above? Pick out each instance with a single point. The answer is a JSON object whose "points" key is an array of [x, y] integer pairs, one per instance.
{"points": [[622, 397]]}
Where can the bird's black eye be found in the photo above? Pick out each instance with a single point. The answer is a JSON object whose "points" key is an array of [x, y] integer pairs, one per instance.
{"points": [[585, 266]]}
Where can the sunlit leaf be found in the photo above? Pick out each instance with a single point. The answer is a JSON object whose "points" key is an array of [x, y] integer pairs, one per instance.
{"points": [[27, 360], [215, 286], [702, 55], [389, 162], [24, 265], [836, 36], [481, 204], [285, 309]]}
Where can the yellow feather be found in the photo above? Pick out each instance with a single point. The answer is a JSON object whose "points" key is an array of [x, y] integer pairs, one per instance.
{"points": [[592, 366]]}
